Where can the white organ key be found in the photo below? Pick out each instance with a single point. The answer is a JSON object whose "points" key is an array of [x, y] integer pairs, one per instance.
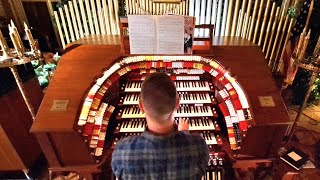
{"points": [[183, 111], [133, 87], [132, 112], [200, 98], [208, 175], [180, 85], [194, 111], [219, 175], [201, 124], [213, 175], [185, 98], [131, 99], [133, 126], [209, 138]]}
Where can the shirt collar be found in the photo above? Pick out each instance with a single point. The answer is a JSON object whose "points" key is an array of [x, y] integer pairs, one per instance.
{"points": [[148, 135]]}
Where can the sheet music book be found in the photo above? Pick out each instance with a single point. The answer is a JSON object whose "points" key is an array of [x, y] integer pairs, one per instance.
{"points": [[160, 34], [295, 158]]}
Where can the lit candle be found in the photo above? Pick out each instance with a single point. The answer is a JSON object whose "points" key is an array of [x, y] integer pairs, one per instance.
{"points": [[3, 43], [17, 35], [300, 43], [318, 59], [5, 48], [304, 47], [317, 49], [29, 35], [14, 41]]}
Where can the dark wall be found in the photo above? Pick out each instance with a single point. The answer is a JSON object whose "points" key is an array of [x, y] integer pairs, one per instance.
{"points": [[41, 26]]}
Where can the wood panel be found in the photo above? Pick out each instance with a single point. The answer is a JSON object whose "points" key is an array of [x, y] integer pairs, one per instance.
{"points": [[231, 41], [247, 63], [39, 19], [71, 80], [15, 11], [9, 158], [2, 12], [16, 121], [64, 143], [263, 141], [96, 40]]}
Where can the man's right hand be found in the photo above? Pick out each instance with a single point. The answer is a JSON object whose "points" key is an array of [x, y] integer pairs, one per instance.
{"points": [[183, 124]]}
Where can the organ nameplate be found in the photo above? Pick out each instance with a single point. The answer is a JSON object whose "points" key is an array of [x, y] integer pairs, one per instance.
{"points": [[60, 105], [266, 101]]}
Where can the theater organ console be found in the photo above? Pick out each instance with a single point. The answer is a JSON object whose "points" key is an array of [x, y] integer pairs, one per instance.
{"points": [[205, 88], [103, 95]]}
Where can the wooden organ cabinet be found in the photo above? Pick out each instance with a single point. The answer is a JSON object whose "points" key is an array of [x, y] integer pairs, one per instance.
{"points": [[103, 96], [203, 85], [19, 149]]}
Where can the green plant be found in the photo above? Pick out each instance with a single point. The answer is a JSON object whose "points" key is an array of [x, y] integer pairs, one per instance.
{"points": [[292, 12], [300, 86], [45, 71]]}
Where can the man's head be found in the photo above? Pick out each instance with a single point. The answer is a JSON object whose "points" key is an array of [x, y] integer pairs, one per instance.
{"points": [[158, 97]]}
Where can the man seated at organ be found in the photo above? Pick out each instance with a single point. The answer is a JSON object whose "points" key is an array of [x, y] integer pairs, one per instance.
{"points": [[164, 150]]}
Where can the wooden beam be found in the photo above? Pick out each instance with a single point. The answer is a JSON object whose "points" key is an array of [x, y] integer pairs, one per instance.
{"points": [[50, 9], [15, 11]]}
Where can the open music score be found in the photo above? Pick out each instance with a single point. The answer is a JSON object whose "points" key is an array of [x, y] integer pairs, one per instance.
{"points": [[165, 34], [170, 34], [143, 35]]}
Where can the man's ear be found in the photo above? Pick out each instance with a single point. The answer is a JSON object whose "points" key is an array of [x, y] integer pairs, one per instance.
{"points": [[140, 105], [177, 102]]}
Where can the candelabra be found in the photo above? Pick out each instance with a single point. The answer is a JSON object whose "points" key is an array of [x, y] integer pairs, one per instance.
{"points": [[311, 64], [19, 55]]}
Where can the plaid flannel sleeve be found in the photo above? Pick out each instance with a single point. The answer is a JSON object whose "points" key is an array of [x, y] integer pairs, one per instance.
{"points": [[203, 155], [116, 163]]}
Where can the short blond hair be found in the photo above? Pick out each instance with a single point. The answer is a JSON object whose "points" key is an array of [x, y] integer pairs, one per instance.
{"points": [[159, 96]]}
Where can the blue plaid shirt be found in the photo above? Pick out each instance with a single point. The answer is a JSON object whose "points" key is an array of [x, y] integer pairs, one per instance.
{"points": [[179, 155]]}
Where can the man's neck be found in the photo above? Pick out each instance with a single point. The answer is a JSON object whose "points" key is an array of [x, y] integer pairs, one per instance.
{"points": [[160, 129]]}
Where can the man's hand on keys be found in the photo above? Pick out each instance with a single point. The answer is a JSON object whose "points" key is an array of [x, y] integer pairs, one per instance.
{"points": [[183, 124]]}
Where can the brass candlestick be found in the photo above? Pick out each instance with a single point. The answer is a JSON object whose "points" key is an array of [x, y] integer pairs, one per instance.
{"points": [[6, 55], [11, 58], [315, 70], [12, 65], [33, 44]]}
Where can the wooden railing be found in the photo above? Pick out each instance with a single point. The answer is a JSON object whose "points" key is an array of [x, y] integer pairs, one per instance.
{"points": [[261, 21], [151, 8], [79, 18]]}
